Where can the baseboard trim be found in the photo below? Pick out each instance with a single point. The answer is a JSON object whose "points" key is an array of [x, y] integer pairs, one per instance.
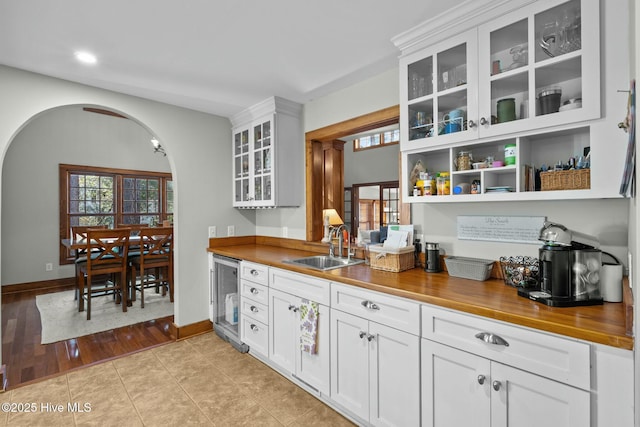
{"points": [[186, 331], [59, 284]]}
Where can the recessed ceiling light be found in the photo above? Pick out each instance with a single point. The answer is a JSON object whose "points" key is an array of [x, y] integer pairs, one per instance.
{"points": [[86, 57]]}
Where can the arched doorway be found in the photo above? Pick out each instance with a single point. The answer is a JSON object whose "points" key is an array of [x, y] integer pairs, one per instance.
{"points": [[30, 201]]}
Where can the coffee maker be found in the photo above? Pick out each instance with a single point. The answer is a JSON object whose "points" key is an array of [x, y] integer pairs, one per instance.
{"points": [[569, 268]]}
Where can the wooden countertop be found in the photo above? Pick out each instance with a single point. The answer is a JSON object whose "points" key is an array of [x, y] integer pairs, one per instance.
{"points": [[604, 324]]}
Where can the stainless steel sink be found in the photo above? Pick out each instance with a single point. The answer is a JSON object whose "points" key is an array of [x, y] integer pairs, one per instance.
{"points": [[324, 262]]}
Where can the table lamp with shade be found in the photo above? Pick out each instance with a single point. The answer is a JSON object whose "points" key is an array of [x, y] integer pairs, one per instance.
{"points": [[330, 218]]}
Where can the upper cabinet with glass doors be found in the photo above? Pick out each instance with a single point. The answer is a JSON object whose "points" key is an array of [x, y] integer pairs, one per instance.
{"points": [[531, 68], [441, 93], [538, 67], [262, 136]]}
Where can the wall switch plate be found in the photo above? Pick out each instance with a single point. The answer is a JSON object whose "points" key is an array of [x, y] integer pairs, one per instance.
{"points": [[48, 266], [231, 230], [212, 231], [285, 231]]}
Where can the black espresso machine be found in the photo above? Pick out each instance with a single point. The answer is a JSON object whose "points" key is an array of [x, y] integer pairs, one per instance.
{"points": [[569, 268]]}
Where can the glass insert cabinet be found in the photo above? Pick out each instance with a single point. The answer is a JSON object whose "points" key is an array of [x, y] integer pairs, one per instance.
{"points": [[260, 143], [529, 78]]}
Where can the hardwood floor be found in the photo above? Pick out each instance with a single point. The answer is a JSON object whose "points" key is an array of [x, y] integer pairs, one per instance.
{"points": [[27, 360]]}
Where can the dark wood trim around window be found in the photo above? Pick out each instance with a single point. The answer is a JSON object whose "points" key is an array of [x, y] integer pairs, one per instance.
{"points": [[64, 171]]}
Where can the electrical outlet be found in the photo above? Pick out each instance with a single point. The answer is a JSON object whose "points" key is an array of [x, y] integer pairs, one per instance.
{"points": [[231, 230], [48, 267], [212, 231], [285, 231]]}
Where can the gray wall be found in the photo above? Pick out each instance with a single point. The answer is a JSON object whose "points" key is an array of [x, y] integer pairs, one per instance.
{"points": [[198, 152], [30, 185], [373, 165]]}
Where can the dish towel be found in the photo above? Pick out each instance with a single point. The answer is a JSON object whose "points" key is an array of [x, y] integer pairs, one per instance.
{"points": [[309, 326]]}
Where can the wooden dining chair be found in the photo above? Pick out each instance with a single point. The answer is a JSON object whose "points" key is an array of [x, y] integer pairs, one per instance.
{"points": [[154, 266], [79, 234], [105, 270]]}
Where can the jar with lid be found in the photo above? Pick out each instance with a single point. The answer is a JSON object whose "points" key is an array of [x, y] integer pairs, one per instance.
{"points": [[464, 160], [443, 184]]}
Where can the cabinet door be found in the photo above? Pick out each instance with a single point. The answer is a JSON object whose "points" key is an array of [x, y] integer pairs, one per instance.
{"points": [[534, 60], [524, 399], [314, 368], [394, 362], [439, 93], [349, 363], [282, 329], [455, 387], [261, 161], [242, 185]]}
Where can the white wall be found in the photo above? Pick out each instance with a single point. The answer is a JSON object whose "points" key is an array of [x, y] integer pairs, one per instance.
{"points": [[198, 150], [374, 165], [30, 197]]}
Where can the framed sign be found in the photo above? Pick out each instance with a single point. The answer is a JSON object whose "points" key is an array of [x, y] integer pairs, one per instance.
{"points": [[512, 229]]}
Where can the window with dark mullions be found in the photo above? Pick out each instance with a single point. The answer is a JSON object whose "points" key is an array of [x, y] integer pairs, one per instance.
{"points": [[106, 196], [376, 140]]}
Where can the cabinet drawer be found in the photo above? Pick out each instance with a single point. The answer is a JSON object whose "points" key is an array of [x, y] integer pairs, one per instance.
{"points": [[300, 285], [259, 312], [561, 359], [254, 292], [396, 312], [253, 272], [255, 334]]}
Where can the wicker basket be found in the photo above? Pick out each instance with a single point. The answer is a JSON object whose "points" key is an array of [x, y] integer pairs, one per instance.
{"points": [[574, 179], [396, 260], [469, 268]]}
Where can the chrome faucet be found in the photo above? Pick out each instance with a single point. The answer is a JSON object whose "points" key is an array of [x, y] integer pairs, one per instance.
{"points": [[337, 231]]}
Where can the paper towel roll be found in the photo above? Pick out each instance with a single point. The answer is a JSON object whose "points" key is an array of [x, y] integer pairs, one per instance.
{"points": [[611, 282]]}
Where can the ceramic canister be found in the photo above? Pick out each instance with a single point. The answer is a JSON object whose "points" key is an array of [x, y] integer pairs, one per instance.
{"points": [[506, 110], [510, 154]]}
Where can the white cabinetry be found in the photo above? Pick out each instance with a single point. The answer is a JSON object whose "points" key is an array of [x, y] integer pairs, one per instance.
{"points": [[267, 142], [510, 61], [374, 365], [254, 307], [503, 375], [286, 295]]}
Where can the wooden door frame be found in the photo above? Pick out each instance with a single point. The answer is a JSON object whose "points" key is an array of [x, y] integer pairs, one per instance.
{"points": [[314, 169]]}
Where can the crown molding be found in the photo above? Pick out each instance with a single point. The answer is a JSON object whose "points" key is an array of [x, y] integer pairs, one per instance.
{"points": [[469, 14], [271, 105]]}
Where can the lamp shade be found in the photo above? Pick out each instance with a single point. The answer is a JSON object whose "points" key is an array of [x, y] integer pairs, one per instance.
{"points": [[334, 218]]}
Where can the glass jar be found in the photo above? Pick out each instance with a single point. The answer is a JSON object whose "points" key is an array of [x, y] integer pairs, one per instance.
{"points": [[443, 184], [463, 162]]}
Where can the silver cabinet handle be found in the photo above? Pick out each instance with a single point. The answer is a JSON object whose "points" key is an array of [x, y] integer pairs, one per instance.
{"points": [[254, 309], [471, 124], [253, 291], [293, 308], [254, 328], [496, 385], [370, 305], [483, 121], [362, 334], [370, 337], [481, 379], [490, 338], [254, 272]]}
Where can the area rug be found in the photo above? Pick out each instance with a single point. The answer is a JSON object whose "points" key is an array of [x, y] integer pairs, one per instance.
{"points": [[61, 319]]}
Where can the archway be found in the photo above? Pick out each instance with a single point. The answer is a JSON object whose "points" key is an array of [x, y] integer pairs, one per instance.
{"points": [[62, 134]]}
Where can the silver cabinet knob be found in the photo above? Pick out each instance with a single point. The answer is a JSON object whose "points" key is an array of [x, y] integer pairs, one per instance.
{"points": [[254, 328], [370, 337], [496, 385], [481, 379], [253, 291], [362, 334], [490, 338], [471, 124], [254, 309], [483, 121], [254, 272], [370, 305]]}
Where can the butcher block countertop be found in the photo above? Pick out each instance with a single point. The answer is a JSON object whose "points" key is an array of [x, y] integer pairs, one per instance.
{"points": [[608, 324]]}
